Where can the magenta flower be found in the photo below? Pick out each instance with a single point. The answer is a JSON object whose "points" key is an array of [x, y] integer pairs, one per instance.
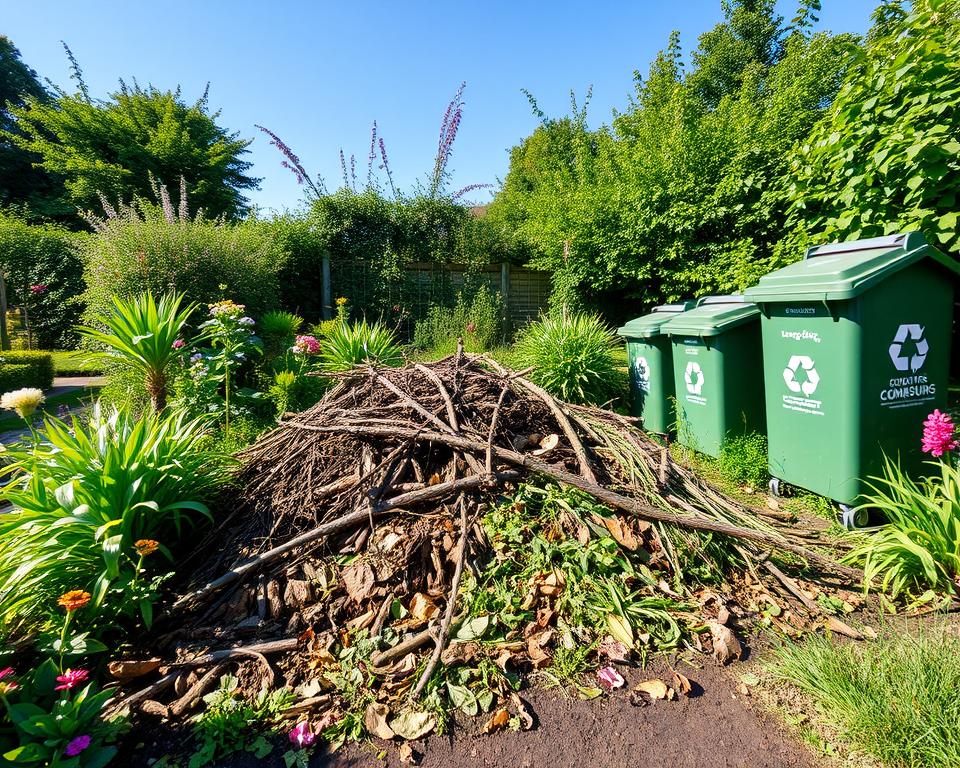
{"points": [[6, 672], [71, 678], [306, 345], [301, 735], [179, 344], [77, 745], [609, 678], [37, 289], [939, 434]]}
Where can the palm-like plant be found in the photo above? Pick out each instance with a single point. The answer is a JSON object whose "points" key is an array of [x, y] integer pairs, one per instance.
{"points": [[141, 333], [353, 344]]}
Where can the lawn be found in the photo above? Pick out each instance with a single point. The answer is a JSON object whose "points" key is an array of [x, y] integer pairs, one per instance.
{"points": [[67, 362], [74, 398]]}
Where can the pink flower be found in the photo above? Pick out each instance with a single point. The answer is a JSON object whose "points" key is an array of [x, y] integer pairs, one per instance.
{"points": [[71, 678], [77, 745], [609, 678], [301, 735], [939, 434], [179, 344], [306, 345], [37, 289], [6, 672]]}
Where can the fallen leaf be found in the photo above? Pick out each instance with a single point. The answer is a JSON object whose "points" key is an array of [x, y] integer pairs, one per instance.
{"points": [[434, 479], [726, 647], [655, 689], [412, 725], [523, 712], [407, 754], [535, 647], [375, 720], [547, 444], [552, 584], [473, 629], [358, 579], [422, 608], [609, 678], [613, 649], [498, 721], [841, 628], [681, 684], [125, 671], [621, 533]]}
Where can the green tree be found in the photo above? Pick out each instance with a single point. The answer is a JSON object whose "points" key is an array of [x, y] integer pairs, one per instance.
{"points": [[115, 147]]}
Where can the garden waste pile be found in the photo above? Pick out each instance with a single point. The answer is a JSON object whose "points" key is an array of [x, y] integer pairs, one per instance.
{"points": [[426, 537]]}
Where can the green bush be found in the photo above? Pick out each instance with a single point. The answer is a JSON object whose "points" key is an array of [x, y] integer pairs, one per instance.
{"points": [[478, 323], [278, 330], [359, 343], [39, 365], [743, 459], [16, 376], [572, 356]]}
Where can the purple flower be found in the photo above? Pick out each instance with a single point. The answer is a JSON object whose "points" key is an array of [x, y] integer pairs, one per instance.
{"points": [[77, 745], [939, 434], [196, 358], [301, 735], [246, 321]]}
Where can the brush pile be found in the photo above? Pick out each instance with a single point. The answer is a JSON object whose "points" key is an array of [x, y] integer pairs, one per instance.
{"points": [[357, 524]]}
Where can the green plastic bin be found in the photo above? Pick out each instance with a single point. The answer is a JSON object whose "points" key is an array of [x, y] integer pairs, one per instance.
{"points": [[649, 355], [856, 346], [717, 371]]}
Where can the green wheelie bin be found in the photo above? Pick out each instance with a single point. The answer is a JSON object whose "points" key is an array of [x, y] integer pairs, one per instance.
{"points": [[856, 348], [649, 355], [717, 372]]}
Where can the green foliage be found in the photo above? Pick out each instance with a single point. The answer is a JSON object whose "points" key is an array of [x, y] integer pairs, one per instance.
{"points": [[16, 376], [293, 390], [44, 256], [919, 548], [743, 459], [894, 699], [231, 723], [68, 362], [572, 357], [152, 247], [886, 157], [115, 147], [277, 331], [352, 344], [140, 334], [83, 496], [37, 722], [478, 322], [39, 368]]}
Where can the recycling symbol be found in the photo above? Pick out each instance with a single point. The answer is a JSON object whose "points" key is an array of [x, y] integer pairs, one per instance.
{"points": [[641, 370], [811, 377], [902, 361], [693, 377]]}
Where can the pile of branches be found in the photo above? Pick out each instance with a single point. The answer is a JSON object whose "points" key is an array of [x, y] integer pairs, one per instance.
{"points": [[372, 499]]}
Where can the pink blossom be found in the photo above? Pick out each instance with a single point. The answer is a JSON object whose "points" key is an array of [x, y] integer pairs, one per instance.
{"points": [[71, 678], [77, 745], [301, 735], [6, 672], [306, 345], [179, 344], [37, 289], [609, 678], [939, 434]]}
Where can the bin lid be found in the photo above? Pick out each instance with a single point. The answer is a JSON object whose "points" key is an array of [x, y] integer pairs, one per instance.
{"points": [[845, 270], [647, 326], [712, 316]]}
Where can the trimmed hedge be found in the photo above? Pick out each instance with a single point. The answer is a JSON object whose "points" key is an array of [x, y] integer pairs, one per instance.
{"points": [[16, 376], [38, 365]]}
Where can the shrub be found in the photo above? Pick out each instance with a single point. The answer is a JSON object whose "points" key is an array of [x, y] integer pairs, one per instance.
{"points": [[16, 376], [920, 546], [358, 343], [84, 496], [278, 330], [149, 247], [478, 323], [39, 366], [572, 356], [743, 459]]}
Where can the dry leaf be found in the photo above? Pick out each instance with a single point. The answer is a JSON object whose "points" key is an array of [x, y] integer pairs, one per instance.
{"points": [[681, 684], [407, 754], [434, 479], [375, 720], [621, 533], [498, 721], [535, 645], [412, 725], [655, 689], [297, 594], [613, 649], [422, 608], [726, 647], [835, 625], [362, 621], [125, 671], [547, 444], [523, 712], [358, 580]]}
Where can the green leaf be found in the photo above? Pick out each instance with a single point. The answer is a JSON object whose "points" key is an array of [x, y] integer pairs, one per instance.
{"points": [[473, 629]]}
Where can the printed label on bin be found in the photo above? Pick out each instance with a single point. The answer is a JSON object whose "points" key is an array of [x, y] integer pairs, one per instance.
{"points": [[641, 373], [908, 353], [802, 379], [693, 378]]}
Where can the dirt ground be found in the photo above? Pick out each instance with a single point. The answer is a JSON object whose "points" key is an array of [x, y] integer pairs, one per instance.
{"points": [[716, 727]]}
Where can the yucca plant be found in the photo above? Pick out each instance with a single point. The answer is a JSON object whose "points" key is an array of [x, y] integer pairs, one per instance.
{"points": [[351, 344], [572, 357], [141, 332], [86, 497], [919, 548]]}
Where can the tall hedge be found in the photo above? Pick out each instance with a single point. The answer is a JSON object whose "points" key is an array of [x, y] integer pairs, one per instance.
{"points": [[43, 270]]}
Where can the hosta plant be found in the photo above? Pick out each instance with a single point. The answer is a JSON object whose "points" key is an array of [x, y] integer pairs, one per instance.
{"points": [[572, 357], [351, 344], [91, 500]]}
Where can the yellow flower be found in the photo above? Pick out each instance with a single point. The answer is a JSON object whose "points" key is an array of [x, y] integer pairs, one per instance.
{"points": [[74, 600], [23, 401], [341, 301], [146, 547]]}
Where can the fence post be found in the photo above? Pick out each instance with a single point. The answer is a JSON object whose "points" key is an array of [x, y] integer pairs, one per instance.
{"points": [[505, 295], [326, 301]]}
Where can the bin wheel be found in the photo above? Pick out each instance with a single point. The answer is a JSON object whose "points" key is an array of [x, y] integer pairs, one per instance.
{"points": [[774, 487], [851, 518]]}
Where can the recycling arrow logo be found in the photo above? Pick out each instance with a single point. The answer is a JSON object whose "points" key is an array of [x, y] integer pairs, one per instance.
{"points": [[811, 377], [693, 377], [901, 361]]}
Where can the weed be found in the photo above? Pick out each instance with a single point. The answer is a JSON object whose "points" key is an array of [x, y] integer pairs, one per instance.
{"points": [[743, 459]]}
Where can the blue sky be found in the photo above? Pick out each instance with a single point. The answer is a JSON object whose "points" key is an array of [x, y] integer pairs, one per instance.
{"points": [[319, 73]]}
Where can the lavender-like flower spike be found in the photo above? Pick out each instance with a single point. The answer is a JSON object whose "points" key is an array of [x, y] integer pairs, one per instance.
{"points": [[353, 171], [386, 167], [467, 189], [448, 134], [184, 208], [343, 169], [373, 154], [167, 204], [293, 164]]}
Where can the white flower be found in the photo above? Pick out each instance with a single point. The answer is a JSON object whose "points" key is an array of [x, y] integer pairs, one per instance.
{"points": [[23, 401]]}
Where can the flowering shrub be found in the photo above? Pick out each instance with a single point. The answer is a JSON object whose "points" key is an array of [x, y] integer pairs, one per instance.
{"points": [[478, 322], [51, 717], [305, 345]]}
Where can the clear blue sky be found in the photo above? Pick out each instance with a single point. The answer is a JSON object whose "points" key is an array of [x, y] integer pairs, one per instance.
{"points": [[319, 73]]}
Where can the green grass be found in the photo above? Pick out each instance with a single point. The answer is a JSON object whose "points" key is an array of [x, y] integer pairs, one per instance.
{"points": [[72, 363], [895, 699], [9, 421]]}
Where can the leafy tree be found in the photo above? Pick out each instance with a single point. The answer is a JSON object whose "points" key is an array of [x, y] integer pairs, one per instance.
{"points": [[886, 156], [115, 147]]}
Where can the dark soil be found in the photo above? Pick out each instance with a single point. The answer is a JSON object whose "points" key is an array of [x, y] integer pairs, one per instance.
{"points": [[716, 727]]}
